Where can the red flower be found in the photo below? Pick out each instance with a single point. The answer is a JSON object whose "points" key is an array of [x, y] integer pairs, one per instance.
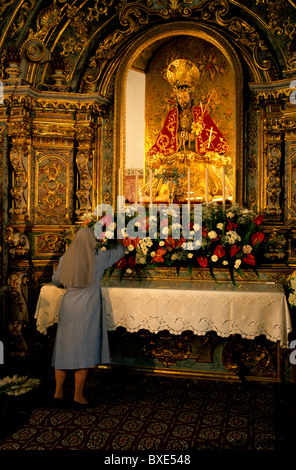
{"points": [[258, 221], [126, 242], [219, 251], [132, 262], [203, 261], [233, 250], [231, 225], [121, 263], [249, 259], [205, 231], [257, 237], [180, 242], [158, 258], [170, 243]]}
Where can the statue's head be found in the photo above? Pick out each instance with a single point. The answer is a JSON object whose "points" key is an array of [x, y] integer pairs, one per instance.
{"points": [[183, 76], [184, 97]]}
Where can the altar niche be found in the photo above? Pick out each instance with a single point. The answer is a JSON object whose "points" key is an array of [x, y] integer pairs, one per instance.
{"points": [[187, 131]]}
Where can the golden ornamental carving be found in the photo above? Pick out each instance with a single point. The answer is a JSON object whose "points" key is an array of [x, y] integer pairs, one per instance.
{"points": [[107, 197], [47, 19], [17, 281], [52, 182], [49, 243], [18, 153], [107, 171], [83, 194], [52, 185], [252, 164], [252, 198], [17, 242], [108, 133]]}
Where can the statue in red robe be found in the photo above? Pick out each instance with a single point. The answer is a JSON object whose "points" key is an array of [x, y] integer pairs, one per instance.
{"points": [[189, 138]]}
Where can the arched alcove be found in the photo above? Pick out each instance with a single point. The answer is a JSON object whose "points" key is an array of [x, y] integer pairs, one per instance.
{"points": [[141, 55]]}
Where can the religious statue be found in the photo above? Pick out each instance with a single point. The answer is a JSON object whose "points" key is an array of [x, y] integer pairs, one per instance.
{"points": [[189, 139]]}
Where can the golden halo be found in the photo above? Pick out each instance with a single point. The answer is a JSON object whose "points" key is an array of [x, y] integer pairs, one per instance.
{"points": [[182, 73]]}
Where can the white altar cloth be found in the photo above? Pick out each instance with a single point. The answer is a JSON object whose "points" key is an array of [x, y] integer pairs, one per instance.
{"points": [[249, 309]]}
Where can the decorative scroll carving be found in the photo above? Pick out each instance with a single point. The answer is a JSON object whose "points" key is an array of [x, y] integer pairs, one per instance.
{"points": [[85, 137], [167, 349], [53, 182], [20, 150], [17, 282], [49, 243], [273, 182], [17, 242]]}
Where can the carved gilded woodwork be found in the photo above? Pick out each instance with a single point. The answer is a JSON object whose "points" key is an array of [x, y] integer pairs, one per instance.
{"points": [[17, 242], [63, 140]]}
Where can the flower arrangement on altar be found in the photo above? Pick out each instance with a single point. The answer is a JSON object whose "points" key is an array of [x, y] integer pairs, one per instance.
{"points": [[231, 239], [17, 385], [291, 286]]}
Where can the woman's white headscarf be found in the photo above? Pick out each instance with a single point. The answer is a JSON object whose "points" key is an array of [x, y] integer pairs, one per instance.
{"points": [[78, 261]]}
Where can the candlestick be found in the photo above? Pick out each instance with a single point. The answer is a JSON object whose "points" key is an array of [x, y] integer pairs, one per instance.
{"points": [[189, 187], [207, 185], [151, 199], [223, 187]]}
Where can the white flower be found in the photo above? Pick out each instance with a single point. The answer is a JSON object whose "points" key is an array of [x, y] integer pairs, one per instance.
{"points": [[161, 243], [212, 234], [129, 271], [109, 234], [112, 226], [230, 214], [225, 262], [231, 237], [152, 254], [131, 248], [87, 216], [220, 225], [292, 299], [196, 227], [174, 256], [214, 258], [237, 263], [103, 248], [190, 255], [247, 249], [165, 230]]}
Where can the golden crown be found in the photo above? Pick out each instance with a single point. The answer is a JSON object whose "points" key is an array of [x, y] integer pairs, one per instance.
{"points": [[182, 73]]}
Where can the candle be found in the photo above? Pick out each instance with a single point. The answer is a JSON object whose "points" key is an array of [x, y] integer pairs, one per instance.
{"points": [[207, 185], [151, 200], [223, 187], [189, 186], [136, 188], [119, 181]]}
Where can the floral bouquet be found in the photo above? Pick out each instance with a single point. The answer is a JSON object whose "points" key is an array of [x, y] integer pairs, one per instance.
{"points": [[17, 385], [291, 286], [230, 239]]}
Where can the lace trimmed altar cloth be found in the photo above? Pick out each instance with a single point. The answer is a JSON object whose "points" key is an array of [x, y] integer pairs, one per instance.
{"points": [[249, 309]]}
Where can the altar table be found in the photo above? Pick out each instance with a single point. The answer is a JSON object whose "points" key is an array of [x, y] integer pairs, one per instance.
{"points": [[249, 309]]}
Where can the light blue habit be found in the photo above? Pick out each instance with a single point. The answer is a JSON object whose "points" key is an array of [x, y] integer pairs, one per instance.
{"points": [[82, 336]]}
